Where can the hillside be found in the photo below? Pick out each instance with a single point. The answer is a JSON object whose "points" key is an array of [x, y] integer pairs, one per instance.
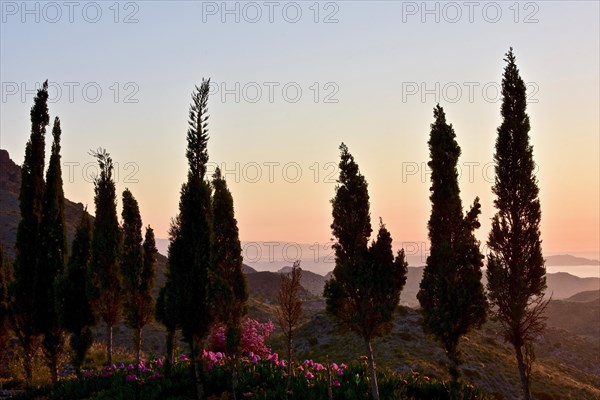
{"points": [[577, 314], [10, 184], [567, 366]]}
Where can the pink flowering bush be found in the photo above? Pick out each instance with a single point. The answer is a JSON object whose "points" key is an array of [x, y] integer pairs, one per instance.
{"points": [[254, 335]]}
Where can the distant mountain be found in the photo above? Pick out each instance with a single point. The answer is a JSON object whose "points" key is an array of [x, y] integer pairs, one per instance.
{"points": [[569, 260], [584, 297], [10, 215], [246, 269], [312, 282], [264, 286]]}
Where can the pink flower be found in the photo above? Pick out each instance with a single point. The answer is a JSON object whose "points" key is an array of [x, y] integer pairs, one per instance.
{"points": [[319, 367], [337, 383], [309, 375], [159, 363], [131, 377], [340, 372], [300, 368], [282, 364], [130, 367], [342, 365], [87, 374], [334, 367]]}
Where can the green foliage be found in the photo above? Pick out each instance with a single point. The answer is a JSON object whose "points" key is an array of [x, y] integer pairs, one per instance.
{"points": [[451, 294], [263, 379], [105, 286], [516, 272], [22, 307]]}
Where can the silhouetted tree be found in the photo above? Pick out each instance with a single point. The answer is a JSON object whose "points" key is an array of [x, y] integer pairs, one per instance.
{"points": [[6, 279], [190, 235], [366, 284], [52, 259], [290, 310], [138, 266], [166, 313], [30, 202], [228, 283], [516, 272], [76, 312], [105, 284], [451, 294]]}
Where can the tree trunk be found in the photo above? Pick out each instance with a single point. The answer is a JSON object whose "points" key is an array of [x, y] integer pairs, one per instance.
{"points": [[289, 354], [195, 371], [109, 334], [28, 364], [137, 345], [169, 351], [454, 374], [234, 376], [371, 359], [523, 372], [54, 365]]}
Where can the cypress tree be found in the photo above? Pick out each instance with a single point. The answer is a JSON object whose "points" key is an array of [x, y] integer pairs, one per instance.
{"points": [[134, 262], [76, 312], [30, 204], [6, 278], [366, 284], [105, 283], [451, 294], [516, 272], [229, 288], [52, 258], [190, 238]]}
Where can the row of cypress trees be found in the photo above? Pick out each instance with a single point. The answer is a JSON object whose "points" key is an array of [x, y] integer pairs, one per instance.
{"points": [[109, 268], [367, 280], [205, 283]]}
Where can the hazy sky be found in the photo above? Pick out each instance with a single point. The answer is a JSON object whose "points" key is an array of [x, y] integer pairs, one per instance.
{"points": [[291, 80]]}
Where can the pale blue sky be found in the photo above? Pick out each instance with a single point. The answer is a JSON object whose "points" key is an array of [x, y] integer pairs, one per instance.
{"points": [[369, 58]]}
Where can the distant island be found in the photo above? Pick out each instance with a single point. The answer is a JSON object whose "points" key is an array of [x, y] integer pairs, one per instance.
{"points": [[569, 260]]}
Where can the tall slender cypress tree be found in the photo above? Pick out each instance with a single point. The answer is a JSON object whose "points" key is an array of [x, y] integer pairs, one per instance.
{"points": [[366, 284], [52, 258], [105, 284], [132, 269], [451, 294], [229, 288], [76, 312], [190, 235], [516, 272], [30, 202]]}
